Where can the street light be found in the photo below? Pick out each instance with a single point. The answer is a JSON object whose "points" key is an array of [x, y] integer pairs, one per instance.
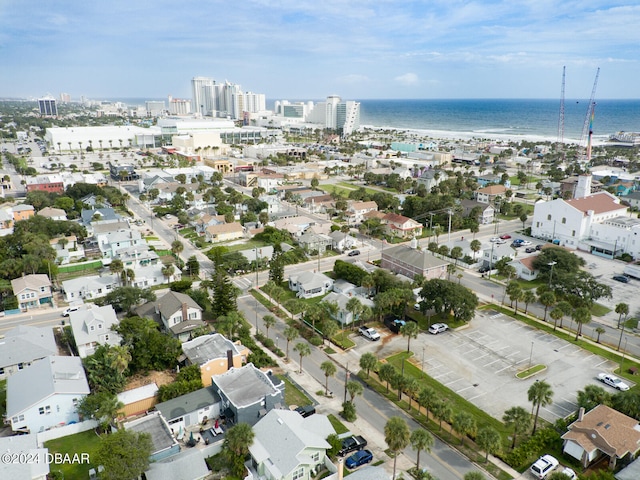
{"points": [[531, 355], [551, 264], [422, 359]]}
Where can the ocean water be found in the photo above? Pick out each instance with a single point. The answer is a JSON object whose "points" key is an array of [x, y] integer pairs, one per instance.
{"points": [[502, 118]]}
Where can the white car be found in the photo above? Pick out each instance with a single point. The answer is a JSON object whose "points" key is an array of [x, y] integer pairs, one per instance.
{"points": [[544, 466], [494, 239], [613, 381], [369, 333], [525, 243], [438, 327], [570, 474], [69, 310]]}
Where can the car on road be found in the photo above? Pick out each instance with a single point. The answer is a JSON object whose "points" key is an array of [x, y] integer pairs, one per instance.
{"points": [[621, 278], [70, 310], [484, 268], [494, 239], [369, 333], [359, 458], [613, 381], [500, 241], [306, 411], [506, 236], [438, 328], [544, 466], [353, 253]]}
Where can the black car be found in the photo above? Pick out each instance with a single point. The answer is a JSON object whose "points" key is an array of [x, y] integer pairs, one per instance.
{"points": [[306, 411], [530, 249], [621, 278], [353, 253], [484, 269]]}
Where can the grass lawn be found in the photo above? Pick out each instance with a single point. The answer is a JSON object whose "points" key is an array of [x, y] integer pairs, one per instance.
{"points": [[251, 244], [370, 191], [3, 397], [293, 395], [84, 442], [599, 310], [338, 426], [343, 341], [334, 188]]}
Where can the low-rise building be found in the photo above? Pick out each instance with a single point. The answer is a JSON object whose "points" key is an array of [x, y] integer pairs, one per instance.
{"points": [[191, 409], [138, 400], [411, 262], [490, 193], [53, 213], [178, 313], [32, 291], [90, 287], [224, 232], [23, 345], [163, 443], [23, 212], [401, 226], [93, 327], [215, 354], [310, 284]]}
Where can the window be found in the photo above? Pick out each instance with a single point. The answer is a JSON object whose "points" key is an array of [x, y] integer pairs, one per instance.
{"points": [[106, 337], [44, 410], [75, 402], [315, 457], [564, 220], [549, 217], [20, 366], [1, 370], [19, 418], [299, 473], [573, 233]]}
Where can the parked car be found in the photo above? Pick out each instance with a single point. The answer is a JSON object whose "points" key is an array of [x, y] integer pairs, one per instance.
{"points": [[70, 310], [438, 328], [369, 333], [525, 243], [544, 466], [353, 253], [359, 458], [539, 247], [306, 411], [394, 324], [530, 249], [494, 239], [569, 473], [621, 278], [506, 236], [500, 241], [351, 444], [484, 269], [613, 381]]}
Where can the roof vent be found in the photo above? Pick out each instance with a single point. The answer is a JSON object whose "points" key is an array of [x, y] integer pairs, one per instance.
{"points": [[280, 421]]}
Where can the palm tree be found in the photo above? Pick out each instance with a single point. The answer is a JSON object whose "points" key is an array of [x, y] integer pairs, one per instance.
{"points": [[622, 309], [489, 440], [329, 329], [176, 247], [527, 298], [409, 330], [411, 388], [599, 330], [290, 333], [303, 350], [386, 373], [116, 266], [547, 299], [368, 361], [421, 440], [354, 388], [582, 316], [592, 396], [269, 321], [167, 271], [329, 369], [476, 246], [426, 399], [556, 314], [237, 441], [540, 395], [519, 419], [397, 437], [442, 411], [354, 306], [464, 424]]}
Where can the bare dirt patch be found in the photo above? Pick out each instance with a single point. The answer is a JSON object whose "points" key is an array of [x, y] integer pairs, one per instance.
{"points": [[159, 378]]}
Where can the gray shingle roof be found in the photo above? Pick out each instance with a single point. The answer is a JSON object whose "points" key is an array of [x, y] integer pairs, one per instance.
{"points": [[156, 427], [420, 258], [24, 344], [32, 282], [188, 403], [245, 386], [172, 302], [187, 465], [208, 347]]}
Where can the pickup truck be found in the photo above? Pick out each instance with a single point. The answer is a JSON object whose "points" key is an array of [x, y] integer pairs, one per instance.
{"points": [[351, 444], [369, 333]]}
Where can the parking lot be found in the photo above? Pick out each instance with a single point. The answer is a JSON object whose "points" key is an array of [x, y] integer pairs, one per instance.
{"points": [[480, 362]]}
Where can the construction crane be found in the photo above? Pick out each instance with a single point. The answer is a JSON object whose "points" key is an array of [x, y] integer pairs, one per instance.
{"points": [[587, 128], [561, 117]]}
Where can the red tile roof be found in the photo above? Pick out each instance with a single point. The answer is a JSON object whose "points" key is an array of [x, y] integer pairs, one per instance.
{"points": [[601, 202]]}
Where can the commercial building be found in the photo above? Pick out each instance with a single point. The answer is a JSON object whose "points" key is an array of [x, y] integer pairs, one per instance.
{"points": [[48, 107]]}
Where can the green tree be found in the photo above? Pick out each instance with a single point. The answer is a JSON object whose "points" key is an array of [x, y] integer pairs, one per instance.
{"points": [[386, 373], [368, 362], [269, 321], [355, 307], [116, 267], [193, 266], [426, 398], [556, 314], [540, 394], [290, 334], [547, 299], [421, 440], [276, 267], [622, 309], [123, 299], [329, 370], [124, 454], [519, 419], [397, 437], [442, 411], [303, 350], [528, 297], [489, 440], [592, 396], [476, 246], [329, 329], [599, 330], [410, 330], [354, 388], [456, 253], [464, 424], [102, 407], [236, 445], [582, 316], [176, 248]]}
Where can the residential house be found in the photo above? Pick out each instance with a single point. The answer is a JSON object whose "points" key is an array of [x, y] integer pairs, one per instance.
{"points": [[490, 193], [602, 432], [343, 315], [23, 345], [298, 225], [137, 256], [248, 394], [490, 256], [571, 222], [153, 181], [310, 284], [524, 268], [46, 394], [23, 470], [90, 287], [319, 204], [341, 242], [186, 465], [53, 213], [6, 221], [122, 172], [110, 242], [163, 443], [23, 212], [289, 446], [138, 400], [176, 312], [206, 221], [191, 409], [168, 190], [633, 199], [215, 354], [150, 275], [99, 215], [401, 226], [431, 178], [92, 327], [490, 179], [67, 249], [32, 291], [411, 262], [95, 202], [356, 211], [312, 241], [273, 204], [224, 232], [484, 212]]}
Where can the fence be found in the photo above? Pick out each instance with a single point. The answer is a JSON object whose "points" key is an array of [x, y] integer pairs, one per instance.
{"points": [[66, 430]]}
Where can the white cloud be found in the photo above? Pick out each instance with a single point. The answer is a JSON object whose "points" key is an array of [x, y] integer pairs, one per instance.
{"points": [[408, 79]]}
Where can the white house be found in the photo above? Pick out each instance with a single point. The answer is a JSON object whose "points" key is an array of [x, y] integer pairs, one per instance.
{"points": [[93, 327], [94, 286], [191, 409], [344, 316], [32, 291], [178, 313], [46, 394], [524, 268], [342, 241], [288, 446], [497, 252], [23, 345], [111, 242], [310, 284], [356, 211]]}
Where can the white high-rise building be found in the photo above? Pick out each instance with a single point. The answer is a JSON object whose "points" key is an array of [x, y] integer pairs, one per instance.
{"points": [[348, 116], [335, 114], [224, 99], [203, 95], [155, 108], [179, 106]]}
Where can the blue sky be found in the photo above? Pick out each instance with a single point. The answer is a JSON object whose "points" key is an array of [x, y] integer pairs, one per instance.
{"points": [[300, 49]]}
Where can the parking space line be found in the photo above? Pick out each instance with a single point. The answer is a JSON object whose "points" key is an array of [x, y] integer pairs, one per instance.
{"points": [[479, 395], [451, 383], [463, 389], [567, 345], [491, 363], [601, 363], [481, 356], [503, 369]]}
